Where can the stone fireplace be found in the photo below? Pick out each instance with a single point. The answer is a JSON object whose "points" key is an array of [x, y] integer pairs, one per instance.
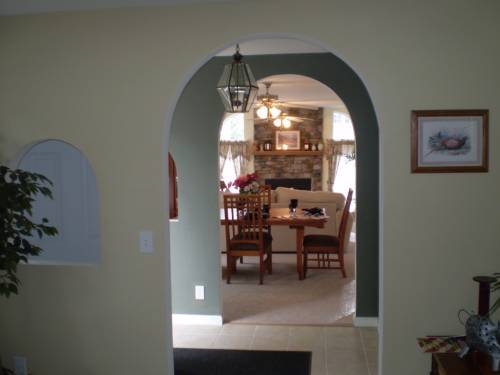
{"points": [[286, 165], [295, 183]]}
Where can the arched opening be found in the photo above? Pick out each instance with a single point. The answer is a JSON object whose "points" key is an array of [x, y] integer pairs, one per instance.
{"points": [[319, 170], [74, 209], [194, 135]]}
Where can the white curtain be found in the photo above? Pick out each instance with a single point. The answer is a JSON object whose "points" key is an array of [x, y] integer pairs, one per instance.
{"points": [[334, 150], [238, 151]]}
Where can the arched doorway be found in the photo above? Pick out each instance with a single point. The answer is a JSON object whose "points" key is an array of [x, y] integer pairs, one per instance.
{"points": [[193, 142], [311, 110]]}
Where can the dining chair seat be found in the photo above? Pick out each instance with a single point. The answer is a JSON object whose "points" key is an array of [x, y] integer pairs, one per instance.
{"points": [[251, 246], [320, 240]]}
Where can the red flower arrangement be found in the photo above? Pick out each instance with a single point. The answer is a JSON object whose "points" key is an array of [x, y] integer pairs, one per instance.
{"points": [[247, 183]]}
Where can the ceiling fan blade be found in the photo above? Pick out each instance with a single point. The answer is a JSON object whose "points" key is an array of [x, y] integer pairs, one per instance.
{"points": [[296, 119]]}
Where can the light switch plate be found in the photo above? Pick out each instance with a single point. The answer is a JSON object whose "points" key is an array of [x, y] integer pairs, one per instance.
{"points": [[199, 292], [146, 241]]}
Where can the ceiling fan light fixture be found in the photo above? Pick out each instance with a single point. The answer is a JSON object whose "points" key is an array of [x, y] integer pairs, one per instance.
{"points": [[277, 122], [275, 112], [286, 122], [262, 112], [237, 86], [267, 101]]}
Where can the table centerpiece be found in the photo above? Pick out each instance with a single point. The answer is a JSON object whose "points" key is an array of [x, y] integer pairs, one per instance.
{"points": [[247, 183]]}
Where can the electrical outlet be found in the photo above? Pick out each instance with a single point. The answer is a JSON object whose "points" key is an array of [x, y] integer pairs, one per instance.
{"points": [[20, 366], [199, 292], [146, 241]]}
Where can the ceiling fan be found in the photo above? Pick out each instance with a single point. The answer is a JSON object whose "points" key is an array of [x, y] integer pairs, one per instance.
{"points": [[269, 110], [267, 104], [283, 120]]}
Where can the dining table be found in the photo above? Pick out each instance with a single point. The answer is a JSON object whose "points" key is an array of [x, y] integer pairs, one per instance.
{"points": [[299, 221]]}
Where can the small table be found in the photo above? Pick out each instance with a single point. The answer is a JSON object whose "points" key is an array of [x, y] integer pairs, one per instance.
{"points": [[281, 216], [451, 364]]}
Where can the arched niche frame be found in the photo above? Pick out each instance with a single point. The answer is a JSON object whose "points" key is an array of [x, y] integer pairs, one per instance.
{"points": [[74, 209], [194, 145]]}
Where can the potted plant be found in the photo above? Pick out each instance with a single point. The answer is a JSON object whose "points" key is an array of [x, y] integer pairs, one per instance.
{"points": [[18, 191]]}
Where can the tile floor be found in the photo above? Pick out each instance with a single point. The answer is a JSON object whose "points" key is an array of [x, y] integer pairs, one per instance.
{"points": [[335, 350]]}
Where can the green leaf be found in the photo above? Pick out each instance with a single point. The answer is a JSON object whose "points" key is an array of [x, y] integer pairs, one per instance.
{"points": [[18, 191]]}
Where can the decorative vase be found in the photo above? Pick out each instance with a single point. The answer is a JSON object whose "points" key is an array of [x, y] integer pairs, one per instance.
{"points": [[482, 335]]}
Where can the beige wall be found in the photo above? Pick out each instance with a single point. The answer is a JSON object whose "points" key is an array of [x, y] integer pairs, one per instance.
{"points": [[103, 81]]}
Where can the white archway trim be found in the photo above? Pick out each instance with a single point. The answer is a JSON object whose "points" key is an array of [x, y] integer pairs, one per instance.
{"points": [[193, 319], [365, 321]]}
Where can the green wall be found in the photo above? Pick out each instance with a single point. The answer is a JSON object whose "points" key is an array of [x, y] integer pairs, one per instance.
{"points": [[194, 136], [194, 239]]}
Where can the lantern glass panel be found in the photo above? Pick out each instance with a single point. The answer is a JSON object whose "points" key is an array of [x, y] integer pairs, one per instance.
{"points": [[237, 87]]}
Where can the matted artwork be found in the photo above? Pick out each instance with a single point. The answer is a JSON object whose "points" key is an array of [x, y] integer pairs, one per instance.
{"points": [[288, 139], [449, 141]]}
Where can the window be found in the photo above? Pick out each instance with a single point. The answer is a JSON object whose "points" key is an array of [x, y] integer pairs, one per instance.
{"points": [[74, 211], [345, 174], [233, 130], [342, 127], [233, 127]]}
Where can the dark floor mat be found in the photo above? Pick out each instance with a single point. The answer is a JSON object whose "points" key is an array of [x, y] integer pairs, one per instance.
{"points": [[240, 362]]}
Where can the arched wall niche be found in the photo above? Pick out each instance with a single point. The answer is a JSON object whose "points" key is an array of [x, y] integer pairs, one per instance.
{"points": [[193, 143], [74, 209]]}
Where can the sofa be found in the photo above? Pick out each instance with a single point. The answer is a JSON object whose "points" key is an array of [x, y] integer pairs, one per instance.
{"points": [[283, 236]]}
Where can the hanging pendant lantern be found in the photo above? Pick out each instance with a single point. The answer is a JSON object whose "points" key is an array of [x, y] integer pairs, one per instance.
{"points": [[237, 86]]}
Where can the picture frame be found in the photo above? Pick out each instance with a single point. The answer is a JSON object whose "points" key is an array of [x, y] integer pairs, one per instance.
{"points": [[449, 141], [287, 139]]}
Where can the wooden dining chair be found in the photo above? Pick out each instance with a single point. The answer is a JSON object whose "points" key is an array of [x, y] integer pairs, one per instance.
{"points": [[328, 249], [265, 197], [245, 235]]}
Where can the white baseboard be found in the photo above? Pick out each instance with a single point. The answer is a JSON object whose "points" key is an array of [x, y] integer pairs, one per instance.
{"points": [[195, 319], [365, 321]]}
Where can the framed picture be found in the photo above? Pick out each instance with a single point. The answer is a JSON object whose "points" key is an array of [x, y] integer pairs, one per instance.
{"points": [[287, 139], [449, 141]]}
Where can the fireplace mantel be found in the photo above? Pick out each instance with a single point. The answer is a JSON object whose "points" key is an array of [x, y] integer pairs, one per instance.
{"points": [[288, 153]]}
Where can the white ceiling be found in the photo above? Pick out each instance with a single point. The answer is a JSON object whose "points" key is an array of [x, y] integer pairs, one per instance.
{"points": [[297, 90], [301, 91], [9, 7]]}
